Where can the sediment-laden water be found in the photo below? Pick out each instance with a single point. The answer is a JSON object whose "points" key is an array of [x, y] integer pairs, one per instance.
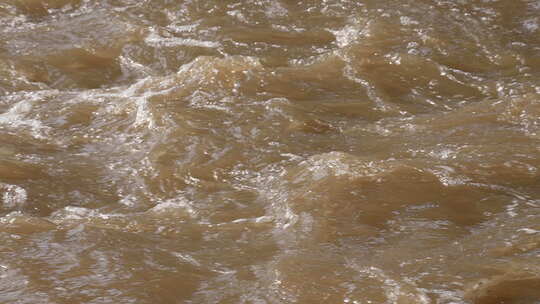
{"points": [[270, 151]]}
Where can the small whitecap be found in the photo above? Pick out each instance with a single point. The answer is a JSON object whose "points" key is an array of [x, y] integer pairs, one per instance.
{"points": [[529, 231], [129, 201], [187, 258], [531, 25], [404, 20], [75, 213]]}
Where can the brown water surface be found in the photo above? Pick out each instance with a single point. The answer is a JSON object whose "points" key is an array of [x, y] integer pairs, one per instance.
{"points": [[270, 151]]}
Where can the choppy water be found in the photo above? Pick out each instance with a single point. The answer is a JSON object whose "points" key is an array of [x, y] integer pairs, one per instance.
{"points": [[270, 151]]}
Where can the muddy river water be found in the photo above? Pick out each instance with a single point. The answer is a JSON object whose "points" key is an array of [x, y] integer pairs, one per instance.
{"points": [[270, 151]]}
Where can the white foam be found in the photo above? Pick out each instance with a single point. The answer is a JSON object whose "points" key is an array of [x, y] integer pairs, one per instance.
{"points": [[13, 196], [154, 39], [347, 35], [178, 203], [80, 213], [16, 117]]}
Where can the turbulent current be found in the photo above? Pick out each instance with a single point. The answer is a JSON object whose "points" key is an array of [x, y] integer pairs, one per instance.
{"points": [[270, 151]]}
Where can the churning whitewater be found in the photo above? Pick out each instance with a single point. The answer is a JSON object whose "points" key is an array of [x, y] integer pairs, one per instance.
{"points": [[270, 151]]}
